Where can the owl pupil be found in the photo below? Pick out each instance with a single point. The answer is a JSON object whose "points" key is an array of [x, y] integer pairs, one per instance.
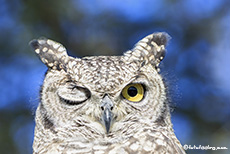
{"points": [[132, 91]]}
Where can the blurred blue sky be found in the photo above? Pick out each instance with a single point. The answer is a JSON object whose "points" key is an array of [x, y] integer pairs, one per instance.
{"points": [[199, 74]]}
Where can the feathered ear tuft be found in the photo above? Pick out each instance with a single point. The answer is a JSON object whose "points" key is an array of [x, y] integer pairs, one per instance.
{"points": [[51, 53], [151, 49]]}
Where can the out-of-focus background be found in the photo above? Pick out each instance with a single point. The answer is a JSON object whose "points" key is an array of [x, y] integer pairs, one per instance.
{"points": [[197, 64]]}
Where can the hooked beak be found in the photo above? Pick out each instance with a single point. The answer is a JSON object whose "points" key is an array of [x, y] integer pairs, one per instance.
{"points": [[107, 115]]}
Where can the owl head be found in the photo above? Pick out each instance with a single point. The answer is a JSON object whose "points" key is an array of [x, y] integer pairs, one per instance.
{"points": [[102, 94]]}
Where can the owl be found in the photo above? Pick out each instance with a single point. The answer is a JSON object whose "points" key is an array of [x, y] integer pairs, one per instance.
{"points": [[104, 104]]}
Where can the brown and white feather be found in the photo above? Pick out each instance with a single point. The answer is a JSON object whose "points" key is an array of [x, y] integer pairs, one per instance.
{"points": [[68, 118]]}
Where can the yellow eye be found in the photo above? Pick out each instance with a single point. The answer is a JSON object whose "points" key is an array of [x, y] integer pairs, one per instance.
{"points": [[133, 92]]}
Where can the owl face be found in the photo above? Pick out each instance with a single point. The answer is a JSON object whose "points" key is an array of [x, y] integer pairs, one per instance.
{"points": [[102, 93]]}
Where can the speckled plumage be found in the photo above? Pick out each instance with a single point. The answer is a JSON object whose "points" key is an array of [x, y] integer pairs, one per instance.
{"points": [[69, 116]]}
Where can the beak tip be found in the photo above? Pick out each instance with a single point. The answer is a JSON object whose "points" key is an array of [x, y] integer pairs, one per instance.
{"points": [[107, 115], [107, 130], [107, 118]]}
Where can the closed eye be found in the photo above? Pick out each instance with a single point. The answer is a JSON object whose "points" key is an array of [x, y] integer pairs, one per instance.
{"points": [[72, 94], [69, 102]]}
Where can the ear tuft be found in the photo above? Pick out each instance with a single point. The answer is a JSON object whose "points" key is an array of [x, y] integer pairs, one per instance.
{"points": [[150, 50], [51, 53], [160, 38]]}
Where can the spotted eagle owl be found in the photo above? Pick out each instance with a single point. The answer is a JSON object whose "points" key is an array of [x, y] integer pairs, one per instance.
{"points": [[104, 104]]}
